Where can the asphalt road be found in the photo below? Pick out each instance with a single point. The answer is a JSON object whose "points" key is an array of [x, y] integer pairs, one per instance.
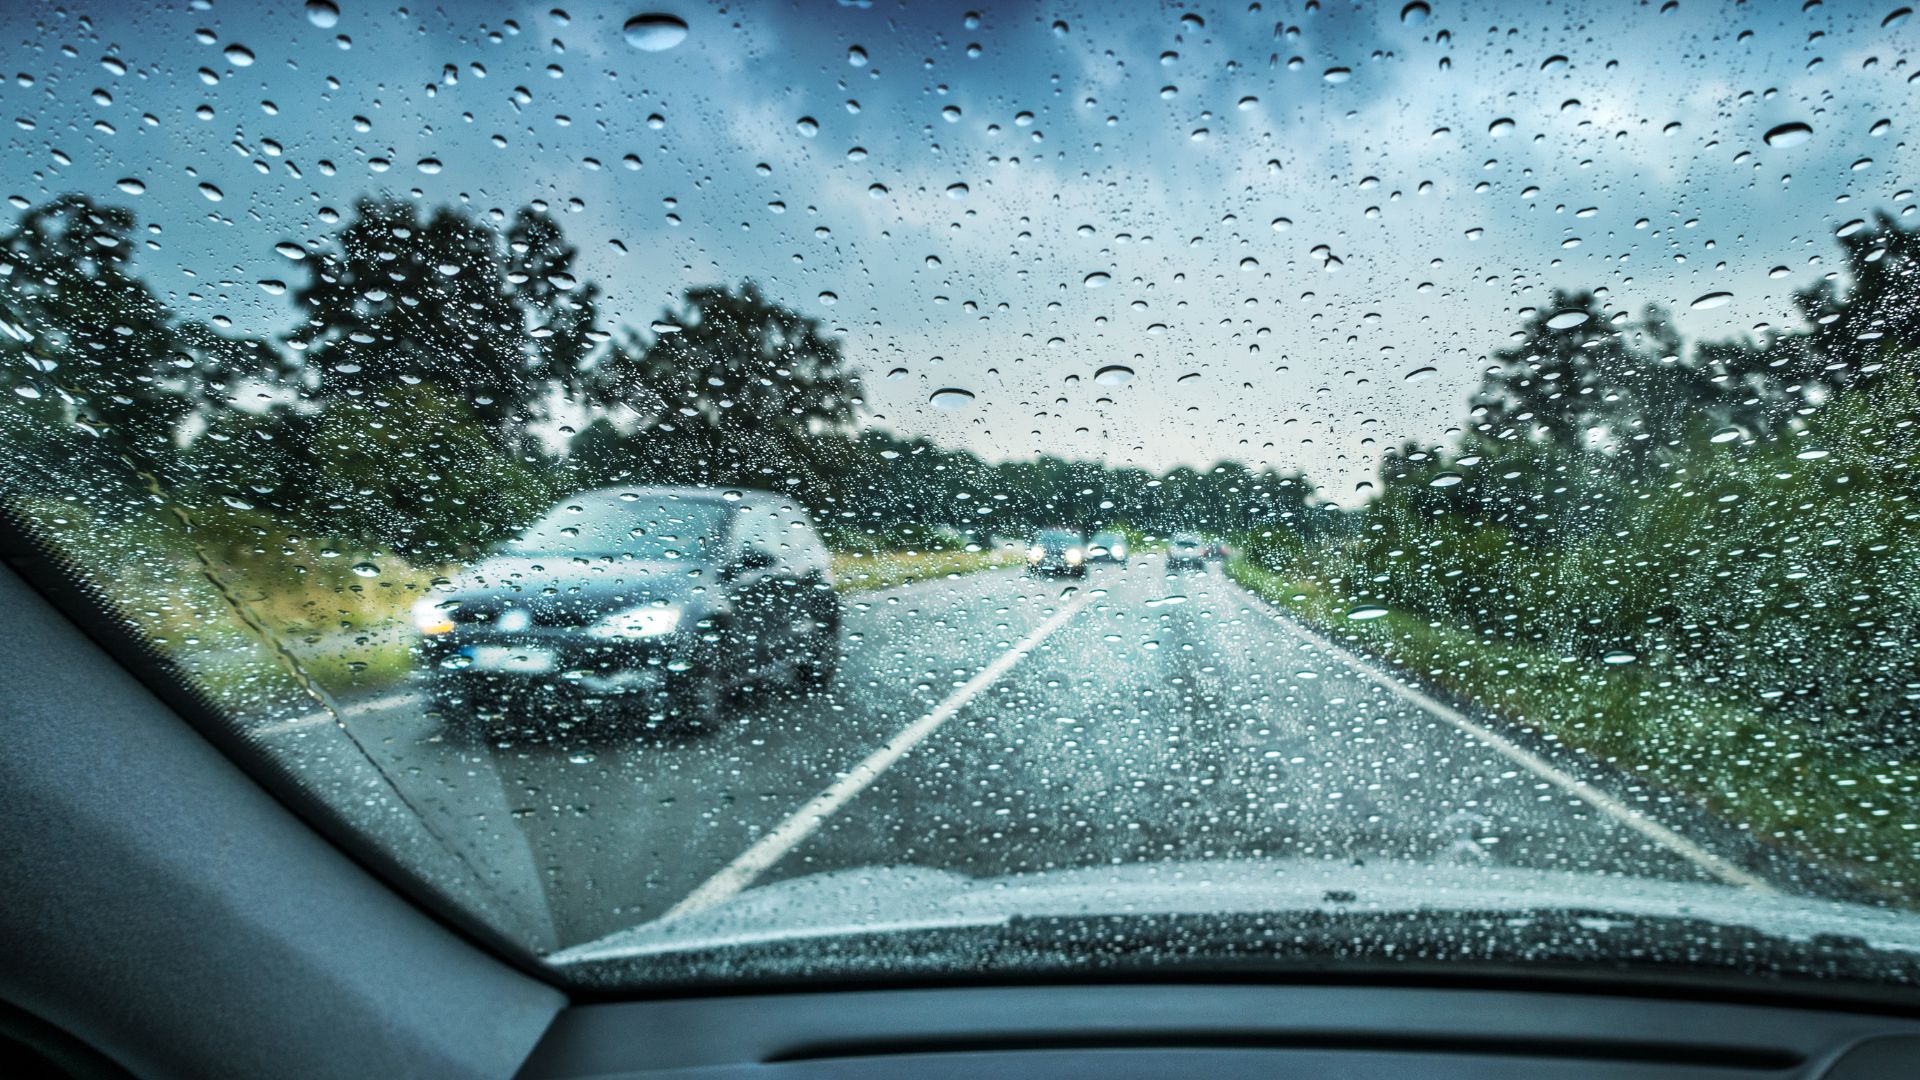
{"points": [[995, 724]]}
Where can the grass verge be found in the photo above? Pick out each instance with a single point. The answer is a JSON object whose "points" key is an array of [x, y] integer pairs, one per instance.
{"points": [[1771, 776], [868, 571]]}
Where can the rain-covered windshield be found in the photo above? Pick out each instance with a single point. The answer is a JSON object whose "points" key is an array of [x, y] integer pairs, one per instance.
{"points": [[631, 465]]}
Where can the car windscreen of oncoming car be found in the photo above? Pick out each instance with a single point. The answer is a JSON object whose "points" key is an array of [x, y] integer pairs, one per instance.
{"points": [[628, 468], [627, 526]]}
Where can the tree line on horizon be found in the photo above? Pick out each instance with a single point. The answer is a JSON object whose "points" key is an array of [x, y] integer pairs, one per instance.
{"points": [[407, 410]]}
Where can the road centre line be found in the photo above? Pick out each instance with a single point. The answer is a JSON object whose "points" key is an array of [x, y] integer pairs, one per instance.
{"points": [[783, 838], [1613, 808]]}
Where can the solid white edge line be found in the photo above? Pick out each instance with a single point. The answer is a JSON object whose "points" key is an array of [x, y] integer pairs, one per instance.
{"points": [[1527, 759], [301, 723], [769, 849]]}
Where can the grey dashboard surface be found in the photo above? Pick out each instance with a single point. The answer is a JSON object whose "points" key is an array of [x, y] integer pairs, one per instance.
{"points": [[169, 912], [1216, 1031]]}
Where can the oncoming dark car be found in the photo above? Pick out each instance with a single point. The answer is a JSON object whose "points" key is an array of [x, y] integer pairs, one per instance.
{"points": [[1185, 551], [1058, 551], [1108, 546], [649, 603]]}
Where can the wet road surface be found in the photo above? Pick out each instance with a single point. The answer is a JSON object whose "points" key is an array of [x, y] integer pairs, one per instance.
{"points": [[994, 724]]}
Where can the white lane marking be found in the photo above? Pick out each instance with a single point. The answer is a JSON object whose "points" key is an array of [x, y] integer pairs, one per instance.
{"points": [[301, 723], [1532, 762], [753, 862]]}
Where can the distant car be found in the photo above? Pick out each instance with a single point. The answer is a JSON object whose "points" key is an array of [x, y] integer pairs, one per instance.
{"points": [[654, 602], [1058, 551], [1108, 546], [1185, 551]]}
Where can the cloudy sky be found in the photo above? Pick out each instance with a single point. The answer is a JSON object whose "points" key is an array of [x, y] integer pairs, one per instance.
{"points": [[1302, 227]]}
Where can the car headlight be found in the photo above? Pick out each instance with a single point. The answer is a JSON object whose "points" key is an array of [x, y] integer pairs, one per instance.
{"points": [[641, 622], [432, 616], [1118, 551], [1074, 555], [1036, 553]]}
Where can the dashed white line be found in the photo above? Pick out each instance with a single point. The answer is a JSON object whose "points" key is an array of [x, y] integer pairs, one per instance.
{"points": [[784, 837], [1613, 808]]}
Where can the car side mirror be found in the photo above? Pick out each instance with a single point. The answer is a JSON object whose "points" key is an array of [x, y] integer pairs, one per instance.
{"points": [[752, 559]]}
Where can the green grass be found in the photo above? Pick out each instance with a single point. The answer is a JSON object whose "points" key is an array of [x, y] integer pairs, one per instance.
{"points": [[869, 571], [1774, 777]]}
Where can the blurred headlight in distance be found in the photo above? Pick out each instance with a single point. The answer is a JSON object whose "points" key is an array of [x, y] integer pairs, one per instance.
{"points": [[1036, 553], [1074, 555], [429, 617], [643, 622]]}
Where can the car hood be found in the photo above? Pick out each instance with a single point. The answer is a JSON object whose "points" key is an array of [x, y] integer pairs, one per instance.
{"points": [[908, 898]]}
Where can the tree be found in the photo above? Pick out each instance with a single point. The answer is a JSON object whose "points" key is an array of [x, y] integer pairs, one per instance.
{"points": [[745, 384], [398, 301], [95, 347]]}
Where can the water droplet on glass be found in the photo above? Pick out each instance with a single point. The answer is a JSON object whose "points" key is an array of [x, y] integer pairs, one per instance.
{"points": [[1421, 374], [951, 397], [857, 56], [1337, 75], [290, 250], [1281, 224], [238, 55], [1500, 128], [1726, 435], [957, 191], [1415, 14], [1850, 228], [366, 569], [655, 32], [1787, 135], [1712, 300], [1566, 320], [212, 193], [430, 166], [323, 13], [829, 299], [808, 126], [1366, 611], [1097, 279], [1445, 479], [132, 186], [1114, 375], [1617, 658]]}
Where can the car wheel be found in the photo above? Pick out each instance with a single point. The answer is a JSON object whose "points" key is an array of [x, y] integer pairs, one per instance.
{"points": [[816, 671], [691, 708]]}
